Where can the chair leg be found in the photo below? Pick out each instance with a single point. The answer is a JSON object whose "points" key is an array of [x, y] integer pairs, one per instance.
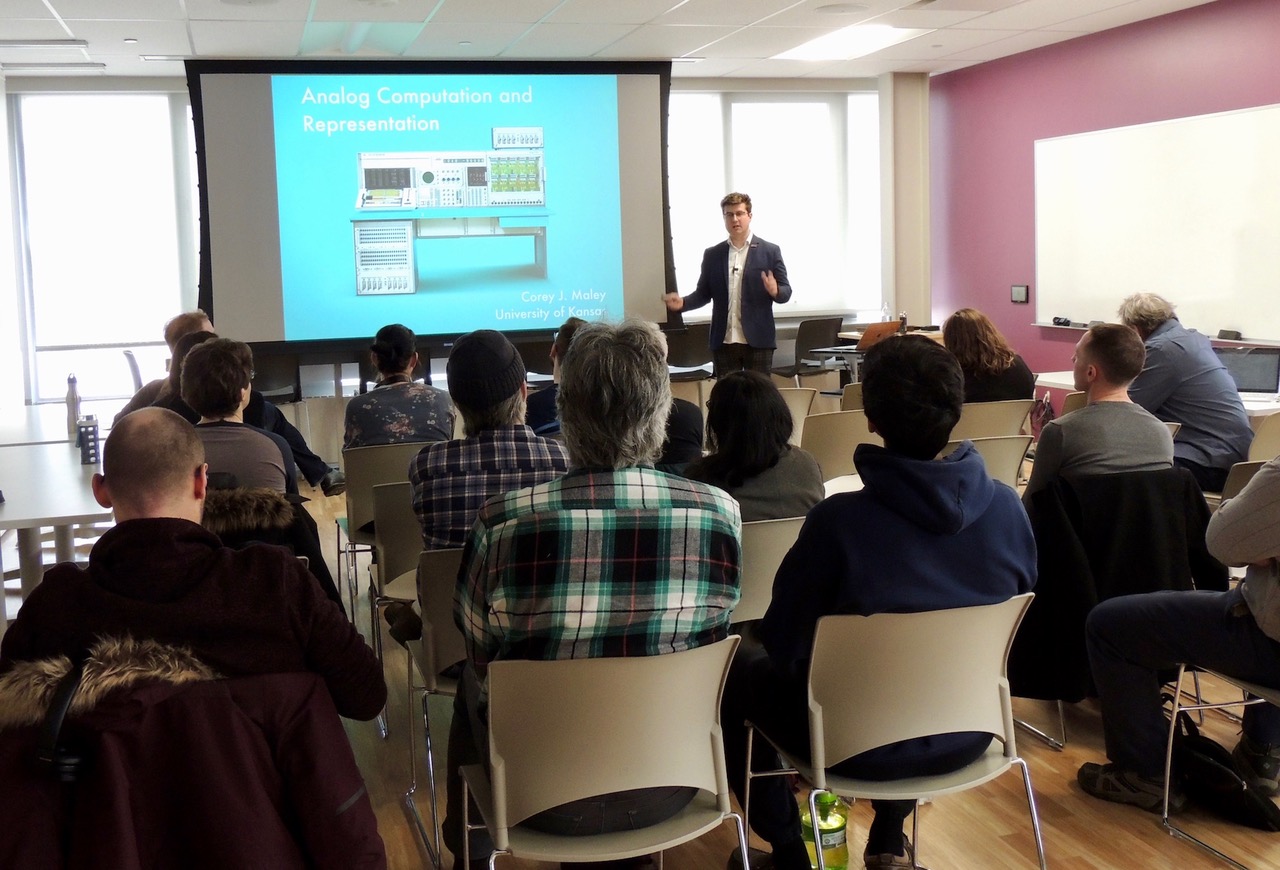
{"points": [[743, 853], [1053, 742], [430, 842], [1031, 808], [813, 822]]}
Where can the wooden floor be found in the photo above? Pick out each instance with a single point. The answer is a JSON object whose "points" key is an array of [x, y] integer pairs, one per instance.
{"points": [[984, 828]]}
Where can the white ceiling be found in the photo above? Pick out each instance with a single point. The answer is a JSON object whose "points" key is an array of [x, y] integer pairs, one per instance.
{"points": [[730, 37]]}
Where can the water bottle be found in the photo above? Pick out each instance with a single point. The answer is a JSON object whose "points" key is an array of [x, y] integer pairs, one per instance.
{"points": [[884, 313], [833, 822], [73, 409], [88, 440]]}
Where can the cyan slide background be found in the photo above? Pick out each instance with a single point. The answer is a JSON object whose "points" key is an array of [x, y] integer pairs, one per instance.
{"points": [[461, 282]]}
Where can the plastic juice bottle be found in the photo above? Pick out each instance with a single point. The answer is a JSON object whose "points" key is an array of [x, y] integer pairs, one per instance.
{"points": [[833, 821]]}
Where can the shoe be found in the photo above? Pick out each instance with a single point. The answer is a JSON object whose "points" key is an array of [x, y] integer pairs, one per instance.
{"points": [[333, 483], [888, 860], [1110, 782], [403, 623], [1259, 764], [641, 862], [760, 860]]}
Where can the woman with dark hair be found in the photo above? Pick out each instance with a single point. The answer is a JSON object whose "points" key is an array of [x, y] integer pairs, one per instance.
{"points": [[398, 408], [992, 371], [748, 426]]}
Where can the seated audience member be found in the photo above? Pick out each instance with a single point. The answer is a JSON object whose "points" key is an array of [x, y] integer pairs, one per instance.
{"points": [[452, 479], [398, 409], [992, 371], [614, 525], [1185, 382], [540, 409], [1134, 642], [170, 395], [751, 457], [216, 376], [184, 324], [1111, 433], [683, 442], [157, 575], [924, 534]]}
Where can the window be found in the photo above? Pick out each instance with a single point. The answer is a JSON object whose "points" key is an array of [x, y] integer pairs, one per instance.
{"points": [[811, 164], [107, 219]]}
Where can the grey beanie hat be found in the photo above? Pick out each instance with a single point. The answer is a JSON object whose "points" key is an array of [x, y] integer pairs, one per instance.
{"points": [[483, 369]]}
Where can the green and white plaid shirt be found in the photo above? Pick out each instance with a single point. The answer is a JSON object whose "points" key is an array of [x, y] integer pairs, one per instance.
{"points": [[599, 563]]}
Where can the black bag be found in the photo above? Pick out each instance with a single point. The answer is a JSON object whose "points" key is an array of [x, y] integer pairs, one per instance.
{"points": [[1209, 776]]}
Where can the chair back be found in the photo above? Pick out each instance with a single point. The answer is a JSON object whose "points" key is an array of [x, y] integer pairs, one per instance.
{"points": [[134, 371], [764, 543], [832, 437], [536, 355], [690, 346], [442, 642], [366, 467], [1174, 428], [1239, 475], [799, 402], [878, 679], [1003, 455], [570, 729], [819, 332], [1266, 440], [851, 397], [397, 534], [991, 419], [1074, 402]]}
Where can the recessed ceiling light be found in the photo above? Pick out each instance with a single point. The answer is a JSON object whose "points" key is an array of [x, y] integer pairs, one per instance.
{"points": [[40, 44], [52, 67], [465, 42], [847, 43], [129, 40], [162, 57], [249, 2], [840, 8]]}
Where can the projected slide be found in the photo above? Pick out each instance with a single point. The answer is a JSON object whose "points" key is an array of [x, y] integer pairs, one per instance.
{"points": [[448, 201]]}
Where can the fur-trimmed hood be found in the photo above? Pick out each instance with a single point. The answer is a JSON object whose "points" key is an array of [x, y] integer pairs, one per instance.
{"points": [[27, 689], [241, 510]]}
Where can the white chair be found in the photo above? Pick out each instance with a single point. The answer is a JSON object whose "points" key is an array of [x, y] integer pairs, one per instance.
{"points": [[441, 645], [397, 543], [1239, 475], [875, 680], [1253, 694], [1073, 402], [1174, 428], [851, 397], [1002, 455], [799, 401], [366, 467], [764, 543], [992, 419], [561, 731], [1266, 440], [843, 483], [832, 437]]}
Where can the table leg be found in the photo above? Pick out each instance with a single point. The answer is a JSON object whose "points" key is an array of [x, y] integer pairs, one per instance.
{"points": [[64, 543]]}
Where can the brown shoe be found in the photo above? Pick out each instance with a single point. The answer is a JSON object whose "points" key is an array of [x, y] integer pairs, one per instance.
{"points": [[888, 860]]}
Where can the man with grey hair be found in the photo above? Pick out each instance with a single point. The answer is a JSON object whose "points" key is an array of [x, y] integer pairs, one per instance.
{"points": [[452, 479], [1184, 382], [659, 555]]}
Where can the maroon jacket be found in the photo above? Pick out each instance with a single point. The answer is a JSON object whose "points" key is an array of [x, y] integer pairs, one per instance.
{"points": [[247, 772], [242, 612]]}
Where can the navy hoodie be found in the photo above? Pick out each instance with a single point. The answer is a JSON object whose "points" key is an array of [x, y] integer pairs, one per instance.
{"points": [[920, 535]]}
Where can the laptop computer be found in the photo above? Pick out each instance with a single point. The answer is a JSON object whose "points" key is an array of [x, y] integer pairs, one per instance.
{"points": [[877, 332]]}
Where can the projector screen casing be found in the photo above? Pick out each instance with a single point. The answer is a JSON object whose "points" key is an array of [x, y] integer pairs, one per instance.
{"points": [[242, 281]]}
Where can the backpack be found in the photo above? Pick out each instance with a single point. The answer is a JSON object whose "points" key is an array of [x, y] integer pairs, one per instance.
{"points": [[1209, 777]]}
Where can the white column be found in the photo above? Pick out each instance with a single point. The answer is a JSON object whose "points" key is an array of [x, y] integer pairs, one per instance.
{"points": [[904, 157]]}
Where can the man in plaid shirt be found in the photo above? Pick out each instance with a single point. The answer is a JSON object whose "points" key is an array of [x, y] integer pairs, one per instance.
{"points": [[452, 479], [613, 559]]}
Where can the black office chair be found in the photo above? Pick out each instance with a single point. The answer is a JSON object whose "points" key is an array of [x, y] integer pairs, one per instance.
{"points": [[821, 332]]}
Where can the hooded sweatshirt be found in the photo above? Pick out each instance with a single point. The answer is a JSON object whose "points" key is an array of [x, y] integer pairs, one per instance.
{"points": [[920, 535]]}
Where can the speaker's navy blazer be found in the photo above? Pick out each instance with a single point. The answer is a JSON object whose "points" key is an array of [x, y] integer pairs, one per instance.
{"points": [[757, 304]]}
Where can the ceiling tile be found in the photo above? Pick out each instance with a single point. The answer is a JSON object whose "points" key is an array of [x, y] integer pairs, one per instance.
{"points": [[611, 12], [761, 41], [242, 39], [154, 37], [135, 10], [724, 11], [33, 28], [44, 55], [1126, 14], [551, 39], [279, 10], [771, 69], [940, 43], [925, 19], [483, 11], [444, 40], [977, 5], [1015, 44], [654, 40], [355, 10], [1033, 14]]}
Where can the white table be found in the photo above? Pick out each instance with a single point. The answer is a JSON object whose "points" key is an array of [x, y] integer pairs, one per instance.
{"points": [[45, 485], [1256, 405], [47, 423]]}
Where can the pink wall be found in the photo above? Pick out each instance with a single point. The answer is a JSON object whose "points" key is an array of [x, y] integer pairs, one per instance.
{"points": [[985, 119]]}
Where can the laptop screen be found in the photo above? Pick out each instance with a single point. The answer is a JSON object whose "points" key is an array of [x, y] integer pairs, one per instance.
{"points": [[1254, 369]]}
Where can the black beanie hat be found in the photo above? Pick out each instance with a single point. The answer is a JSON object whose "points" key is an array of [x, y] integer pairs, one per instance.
{"points": [[483, 369]]}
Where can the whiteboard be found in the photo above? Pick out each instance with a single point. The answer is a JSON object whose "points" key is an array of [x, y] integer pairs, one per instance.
{"points": [[1188, 208]]}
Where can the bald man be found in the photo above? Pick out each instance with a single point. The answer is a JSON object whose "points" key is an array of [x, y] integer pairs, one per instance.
{"points": [[158, 575]]}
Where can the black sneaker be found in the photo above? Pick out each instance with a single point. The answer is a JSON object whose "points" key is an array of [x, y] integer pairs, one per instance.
{"points": [[1259, 764], [1110, 782], [760, 860], [333, 483]]}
